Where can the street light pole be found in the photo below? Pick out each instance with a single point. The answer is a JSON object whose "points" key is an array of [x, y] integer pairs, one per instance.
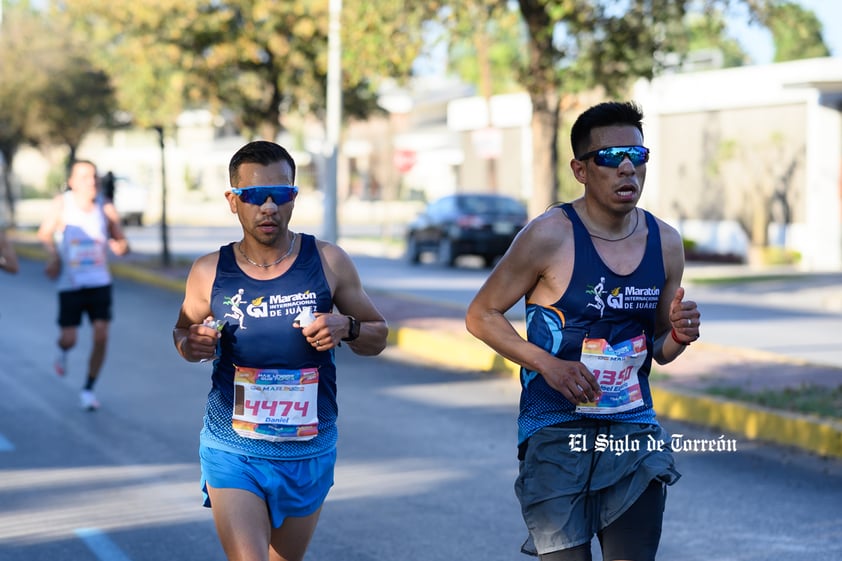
{"points": [[333, 118]]}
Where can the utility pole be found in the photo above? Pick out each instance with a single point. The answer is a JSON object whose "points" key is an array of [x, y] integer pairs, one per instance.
{"points": [[334, 119], [165, 246]]}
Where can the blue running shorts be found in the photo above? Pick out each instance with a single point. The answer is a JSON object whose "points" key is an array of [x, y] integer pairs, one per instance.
{"points": [[288, 487]]}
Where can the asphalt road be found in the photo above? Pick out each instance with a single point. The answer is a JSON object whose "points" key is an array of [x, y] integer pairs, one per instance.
{"points": [[425, 472]]}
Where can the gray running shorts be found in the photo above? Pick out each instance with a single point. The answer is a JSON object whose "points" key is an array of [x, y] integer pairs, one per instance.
{"points": [[577, 478]]}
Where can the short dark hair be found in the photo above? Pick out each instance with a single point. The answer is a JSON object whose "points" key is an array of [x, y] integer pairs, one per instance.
{"points": [[261, 152], [607, 114]]}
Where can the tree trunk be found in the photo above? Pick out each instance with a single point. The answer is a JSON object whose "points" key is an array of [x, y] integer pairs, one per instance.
{"points": [[9, 197], [5, 180], [543, 83], [545, 124]]}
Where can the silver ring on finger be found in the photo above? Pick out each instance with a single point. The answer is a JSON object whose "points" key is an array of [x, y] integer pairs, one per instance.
{"points": [[689, 322]]}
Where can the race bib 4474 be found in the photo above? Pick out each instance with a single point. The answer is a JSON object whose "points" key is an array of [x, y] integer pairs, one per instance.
{"points": [[275, 404]]}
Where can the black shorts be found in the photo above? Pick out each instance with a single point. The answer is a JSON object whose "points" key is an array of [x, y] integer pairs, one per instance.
{"points": [[96, 302]]}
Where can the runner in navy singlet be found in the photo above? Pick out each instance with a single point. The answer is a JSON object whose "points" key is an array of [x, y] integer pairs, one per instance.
{"points": [[269, 311], [601, 279]]}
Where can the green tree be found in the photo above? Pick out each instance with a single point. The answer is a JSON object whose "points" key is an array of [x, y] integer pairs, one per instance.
{"points": [[485, 43], [50, 92], [796, 31], [709, 31], [259, 59], [79, 99], [576, 45], [484, 40], [21, 37], [137, 43]]}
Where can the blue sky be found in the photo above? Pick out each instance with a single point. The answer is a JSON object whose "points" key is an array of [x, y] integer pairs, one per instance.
{"points": [[758, 42]]}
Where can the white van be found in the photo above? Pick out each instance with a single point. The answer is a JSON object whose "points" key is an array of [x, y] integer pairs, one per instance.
{"points": [[131, 200]]}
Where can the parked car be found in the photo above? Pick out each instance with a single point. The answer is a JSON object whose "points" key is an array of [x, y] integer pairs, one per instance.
{"points": [[481, 224]]}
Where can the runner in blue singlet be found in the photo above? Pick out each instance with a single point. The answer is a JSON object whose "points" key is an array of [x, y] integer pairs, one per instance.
{"points": [[268, 444], [602, 283]]}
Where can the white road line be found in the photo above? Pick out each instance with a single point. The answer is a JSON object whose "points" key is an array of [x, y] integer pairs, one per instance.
{"points": [[101, 545]]}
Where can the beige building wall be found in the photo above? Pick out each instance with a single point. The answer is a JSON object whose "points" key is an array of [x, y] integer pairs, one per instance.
{"points": [[752, 152], [728, 164]]}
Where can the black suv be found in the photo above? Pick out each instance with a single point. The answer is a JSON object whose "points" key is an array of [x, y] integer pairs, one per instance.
{"points": [[481, 224]]}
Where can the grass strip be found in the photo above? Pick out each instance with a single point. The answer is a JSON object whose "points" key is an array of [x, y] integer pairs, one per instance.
{"points": [[742, 279], [807, 399]]}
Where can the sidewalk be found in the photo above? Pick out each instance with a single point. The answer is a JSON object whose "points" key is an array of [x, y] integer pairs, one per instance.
{"points": [[435, 333]]}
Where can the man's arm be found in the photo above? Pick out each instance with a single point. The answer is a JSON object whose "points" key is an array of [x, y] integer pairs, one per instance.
{"points": [[46, 232], [673, 333], [514, 277], [117, 242], [350, 299], [194, 341]]}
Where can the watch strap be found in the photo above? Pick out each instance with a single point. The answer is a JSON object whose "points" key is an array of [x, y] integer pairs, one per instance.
{"points": [[353, 329]]}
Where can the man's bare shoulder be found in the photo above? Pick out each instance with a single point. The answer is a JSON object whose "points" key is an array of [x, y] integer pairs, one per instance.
{"points": [[670, 237], [332, 253], [56, 204], [549, 227], [205, 264]]}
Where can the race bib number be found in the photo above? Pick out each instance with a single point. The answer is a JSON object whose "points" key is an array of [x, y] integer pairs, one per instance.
{"points": [[85, 253], [615, 369], [276, 405]]}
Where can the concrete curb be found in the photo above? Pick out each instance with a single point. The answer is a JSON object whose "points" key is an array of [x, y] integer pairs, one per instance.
{"points": [[816, 435], [820, 436], [137, 274]]}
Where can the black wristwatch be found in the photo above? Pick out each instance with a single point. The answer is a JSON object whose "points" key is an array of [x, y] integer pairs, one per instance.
{"points": [[353, 329]]}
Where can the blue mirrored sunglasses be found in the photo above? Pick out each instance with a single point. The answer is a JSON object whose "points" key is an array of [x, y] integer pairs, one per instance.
{"points": [[613, 156], [281, 194]]}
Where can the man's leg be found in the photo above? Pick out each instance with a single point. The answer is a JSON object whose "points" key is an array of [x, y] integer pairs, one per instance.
{"points": [[98, 306], [290, 541], [69, 319], [578, 553], [635, 535], [242, 523], [66, 341], [100, 337], [67, 338]]}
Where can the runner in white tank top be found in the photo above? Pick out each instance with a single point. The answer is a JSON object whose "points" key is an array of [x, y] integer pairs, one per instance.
{"points": [[77, 232]]}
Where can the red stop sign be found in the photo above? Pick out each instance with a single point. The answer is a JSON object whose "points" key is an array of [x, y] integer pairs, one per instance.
{"points": [[404, 160]]}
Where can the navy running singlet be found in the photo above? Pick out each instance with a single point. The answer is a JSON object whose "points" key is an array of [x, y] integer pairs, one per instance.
{"points": [[598, 303], [259, 333]]}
